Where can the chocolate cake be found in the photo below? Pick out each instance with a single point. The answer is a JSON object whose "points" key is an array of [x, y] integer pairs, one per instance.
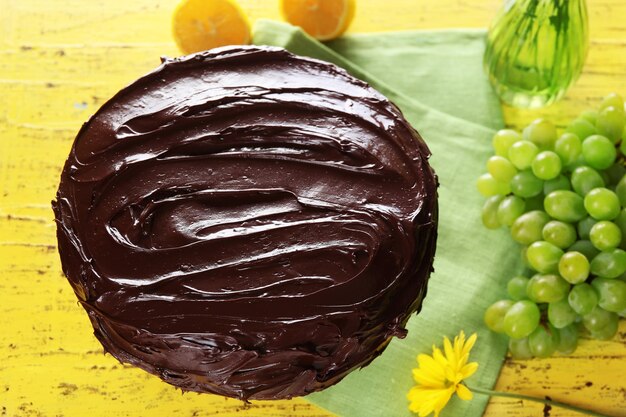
{"points": [[247, 222]]}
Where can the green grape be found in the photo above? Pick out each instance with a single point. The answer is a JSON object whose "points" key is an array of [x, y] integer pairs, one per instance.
{"points": [[544, 256], [584, 227], [566, 206], [510, 209], [559, 183], [528, 227], [582, 298], [546, 165], [574, 267], [543, 342], [500, 168], [521, 319], [542, 133], [489, 214], [560, 314], [612, 100], [519, 348], [611, 123], [597, 319], [620, 221], [488, 186], [516, 287], [522, 153], [525, 184], [568, 147], [560, 234], [585, 247], [494, 315], [620, 190], [602, 204], [608, 331], [605, 235], [534, 203], [552, 190], [581, 128], [599, 152], [590, 115], [547, 288], [611, 294], [503, 140], [585, 179], [609, 264], [568, 336], [615, 173]]}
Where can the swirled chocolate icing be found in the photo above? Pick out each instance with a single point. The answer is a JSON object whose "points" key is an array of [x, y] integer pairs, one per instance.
{"points": [[247, 222]]}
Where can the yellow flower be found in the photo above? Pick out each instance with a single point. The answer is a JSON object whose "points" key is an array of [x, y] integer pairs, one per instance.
{"points": [[439, 376]]}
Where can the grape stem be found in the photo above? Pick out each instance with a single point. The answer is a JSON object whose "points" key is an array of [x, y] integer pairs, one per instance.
{"points": [[537, 400]]}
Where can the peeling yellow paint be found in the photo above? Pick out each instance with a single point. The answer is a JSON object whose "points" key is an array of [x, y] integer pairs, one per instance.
{"points": [[58, 62]]}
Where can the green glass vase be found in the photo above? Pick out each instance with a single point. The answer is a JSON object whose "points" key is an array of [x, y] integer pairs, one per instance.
{"points": [[536, 49]]}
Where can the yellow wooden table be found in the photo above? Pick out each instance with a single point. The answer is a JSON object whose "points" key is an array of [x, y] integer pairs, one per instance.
{"points": [[59, 60]]}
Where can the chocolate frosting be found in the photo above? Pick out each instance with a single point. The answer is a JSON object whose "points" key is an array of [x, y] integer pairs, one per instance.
{"points": [[247, 222]]}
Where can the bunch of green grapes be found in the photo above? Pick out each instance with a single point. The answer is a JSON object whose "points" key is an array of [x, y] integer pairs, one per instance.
{"points": [[564, 199]]}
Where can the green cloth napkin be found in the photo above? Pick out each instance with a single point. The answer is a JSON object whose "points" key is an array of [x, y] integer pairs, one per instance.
{"points": [[436, 79]]}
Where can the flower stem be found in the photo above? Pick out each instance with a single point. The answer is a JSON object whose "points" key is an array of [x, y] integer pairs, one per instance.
{"points": [[536, 399]]}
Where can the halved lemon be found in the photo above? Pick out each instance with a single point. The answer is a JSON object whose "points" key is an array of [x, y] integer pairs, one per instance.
{"points": [[199, 25], [322, 19]]}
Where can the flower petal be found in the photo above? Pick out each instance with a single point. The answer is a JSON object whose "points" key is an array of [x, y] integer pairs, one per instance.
{"points": [[463, 392], [414, 407], [428, 365], [459, 341], [415, 399], [451, 374], [463, 360], [427, 379], [423, 400], [427, 407], [432, 400], [443, 399], [469, 369], [439, 358], [417, 394], [447, 348], [470, 344]]}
